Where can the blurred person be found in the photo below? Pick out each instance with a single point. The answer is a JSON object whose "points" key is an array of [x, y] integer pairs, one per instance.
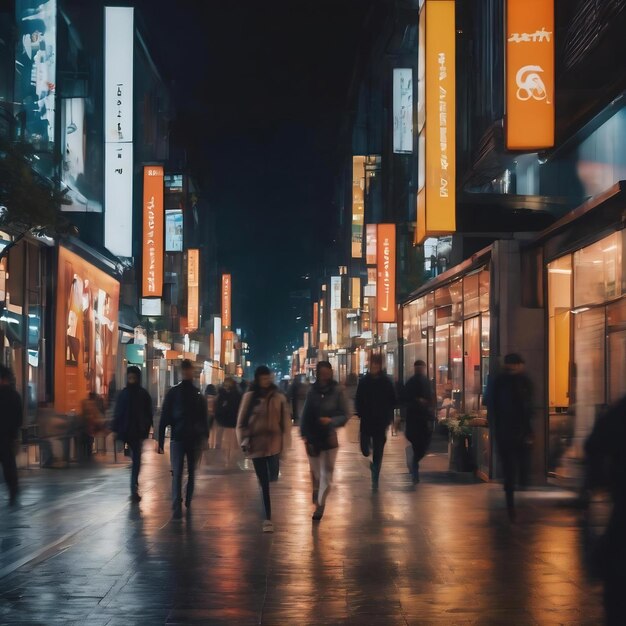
{"points": [[327, 408], [10, 422], [185, 411], [243, 386], [210, 395], [297, 396], [263, 432], [606, 465], [352, 383], [132, 421], [226, 410], [418, 396], [375, 404], [92, 422], [510, 408]]}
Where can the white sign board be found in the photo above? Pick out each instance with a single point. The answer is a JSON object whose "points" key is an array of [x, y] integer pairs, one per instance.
{"points": [[403, 110]]}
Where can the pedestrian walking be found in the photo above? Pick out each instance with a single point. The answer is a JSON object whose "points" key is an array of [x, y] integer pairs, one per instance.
{"points": [[375, 403], [263, 432], [606, 462], [10, 423], [185, 412], [210, 395], [418, 396], [509, 402], [327, 407], [132, 421], [226, 411]]}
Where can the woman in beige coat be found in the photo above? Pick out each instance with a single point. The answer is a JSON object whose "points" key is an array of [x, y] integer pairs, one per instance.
{"points": [[263, 432]]}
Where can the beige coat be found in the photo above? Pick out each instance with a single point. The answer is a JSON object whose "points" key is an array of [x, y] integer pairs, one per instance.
{"points": [[265, 430]]}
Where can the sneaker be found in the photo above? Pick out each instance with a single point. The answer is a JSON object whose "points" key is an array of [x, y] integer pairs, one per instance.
{"points": [[268, 526], [319, 513], [135, 497], [178, 513]]}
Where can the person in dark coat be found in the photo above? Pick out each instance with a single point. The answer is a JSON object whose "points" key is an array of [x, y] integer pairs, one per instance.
{"points": [[132, 421], [375, 403], [606, 458], [418, 396], [227, 404], [185, 411], [510, 409], [327, 407], [10, 423]]}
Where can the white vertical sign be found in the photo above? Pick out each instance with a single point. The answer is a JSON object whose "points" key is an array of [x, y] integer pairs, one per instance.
{"points": [[403, 110], [335, 305], [119, 31]]}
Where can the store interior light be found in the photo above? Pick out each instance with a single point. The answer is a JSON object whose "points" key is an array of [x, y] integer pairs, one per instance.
{"points": [[554, 270], [610, 248], [582, 309]]}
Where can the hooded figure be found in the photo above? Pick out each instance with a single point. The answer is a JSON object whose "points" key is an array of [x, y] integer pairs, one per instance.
{"points": [[132, 422]]}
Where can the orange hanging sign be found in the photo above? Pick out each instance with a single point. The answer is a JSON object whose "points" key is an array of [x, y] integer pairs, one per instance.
{"points": [[386, 283], [153, 216]]}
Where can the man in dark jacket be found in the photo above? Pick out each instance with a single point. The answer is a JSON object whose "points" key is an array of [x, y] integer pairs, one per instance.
{"points": [[185, 411], [132, 422], [10, 422], [375, 403], [606, 462], [510, 409], [418, 397]]}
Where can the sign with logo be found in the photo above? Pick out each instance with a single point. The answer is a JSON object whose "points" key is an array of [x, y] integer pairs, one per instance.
{"points": [[436, 198], [193, 287], [403, 110], [217, 339], [530, 74], [335, 306], [226, 300], [358, 205], [174, 230], [152, 231], [119, 32], [386, 283]]}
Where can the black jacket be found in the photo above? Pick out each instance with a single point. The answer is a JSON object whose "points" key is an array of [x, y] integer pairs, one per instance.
{"points": [[509, 401], [375, 402], [329, 401], [227, 407], [185, 410], [10, 413], [418, 397], [132, 419]]}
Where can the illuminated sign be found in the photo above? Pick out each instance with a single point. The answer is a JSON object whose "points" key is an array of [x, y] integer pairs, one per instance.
{"points": [[217, 339], [152, 231], [226, 300], [316, 322], [335, 306], [193, 286], [530, 74], [35, 69], [86, 332], [355, 296], [386, 283], [370, 244], [358, 205], [403, 110], [436, 198], [118, 129], [174, 230]]}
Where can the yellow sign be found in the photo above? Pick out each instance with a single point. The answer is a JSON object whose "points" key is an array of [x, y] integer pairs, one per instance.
{"points": [[436, 199], [530, 74], [358, 205], [193, 289]]}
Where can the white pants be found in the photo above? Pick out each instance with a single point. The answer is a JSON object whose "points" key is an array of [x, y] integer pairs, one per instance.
{"points": [[322, 468]]}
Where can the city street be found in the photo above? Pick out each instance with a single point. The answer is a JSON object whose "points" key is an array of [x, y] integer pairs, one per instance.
{"points": [[75, 551]]}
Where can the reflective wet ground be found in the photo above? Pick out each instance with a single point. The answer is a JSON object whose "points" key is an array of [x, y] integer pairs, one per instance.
{"points": [[75, 551]]}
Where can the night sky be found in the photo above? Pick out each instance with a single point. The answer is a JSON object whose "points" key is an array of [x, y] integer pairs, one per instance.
{"points": [[261, 90]]}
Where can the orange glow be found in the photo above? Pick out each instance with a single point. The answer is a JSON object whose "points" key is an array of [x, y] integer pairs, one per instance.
{"points": [[436, 202], [530, 74], [316, 321], [226, 300], [86, 331], [370, 244], [193, 285], [386, 283], [358, 205], [153, 217]]}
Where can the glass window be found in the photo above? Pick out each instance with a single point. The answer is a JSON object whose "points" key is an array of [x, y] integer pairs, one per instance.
{"points": [[485, 281], [471, 297], [485, 327], [598, 271], [456, 296], [472, 364], [442, 365], [456, 365]]}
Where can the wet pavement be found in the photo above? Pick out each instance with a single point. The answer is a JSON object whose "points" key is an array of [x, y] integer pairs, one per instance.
{"points": [[75, 551]]}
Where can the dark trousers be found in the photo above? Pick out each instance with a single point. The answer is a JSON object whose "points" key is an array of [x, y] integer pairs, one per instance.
{"points": [[515, 464], [179, 450], [9, 467], [419, 434], [135, 455], [266, 469], [376, 442]]}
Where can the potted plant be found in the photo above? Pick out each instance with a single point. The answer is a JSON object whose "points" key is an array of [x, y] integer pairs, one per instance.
{"points": [[460, 442]]}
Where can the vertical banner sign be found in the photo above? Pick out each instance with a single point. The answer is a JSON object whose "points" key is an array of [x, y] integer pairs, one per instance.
{"points": [[118, 129], [436, 199], [386, 283], [153, 218], [217, 339], [316, 323], [193, 285], [335, 306], [355, 295], [358, 205], [370, 244], [403, 110], [226, 300], [529, 74]]}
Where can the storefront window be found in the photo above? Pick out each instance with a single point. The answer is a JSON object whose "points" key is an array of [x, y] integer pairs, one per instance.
{"points": [[485, 279], [456, 364], [598, 271], [472, 364], [485, 327], [471, 297], [442, 351], [456, 297], [616, 323]]}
